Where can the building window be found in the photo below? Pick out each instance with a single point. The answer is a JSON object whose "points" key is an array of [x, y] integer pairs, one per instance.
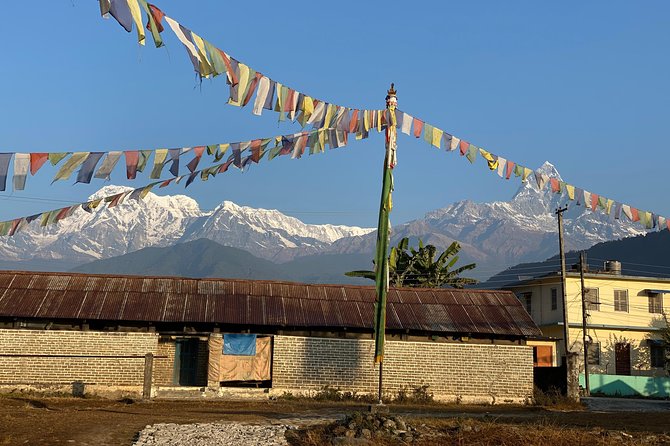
{"points": [[656, 303], [594, 353], [592, 299], [657, 355], [621, 300], [554, 299]]}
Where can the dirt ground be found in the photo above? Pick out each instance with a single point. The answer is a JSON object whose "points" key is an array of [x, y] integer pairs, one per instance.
{"points": [[45, 421]]}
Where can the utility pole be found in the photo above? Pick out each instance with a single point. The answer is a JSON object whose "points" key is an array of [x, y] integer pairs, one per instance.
{"points": [[584, 335], [381, 255], [566, 340]]}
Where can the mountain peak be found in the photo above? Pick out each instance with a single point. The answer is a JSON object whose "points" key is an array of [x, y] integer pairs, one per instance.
{"points": [[549, 169], [110, 189]]}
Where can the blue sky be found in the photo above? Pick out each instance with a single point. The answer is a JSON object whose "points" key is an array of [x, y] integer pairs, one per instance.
{"points": [[581, 84]]}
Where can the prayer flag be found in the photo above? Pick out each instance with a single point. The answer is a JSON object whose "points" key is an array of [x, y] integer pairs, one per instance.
{"points": [[132, 157], [571, 191], [464, 147], [159, 161], [86, 172], [55, 158], [5, 158], [510, 168], [70, 165], [455, 142], [407, 123], [418, 126], [108, 165], [121, 12], [555, 187], [502, 163], [37, 160], [193, 164], [174, 157], [471, 154], [137, 18], [21, 167], [261, 95]]}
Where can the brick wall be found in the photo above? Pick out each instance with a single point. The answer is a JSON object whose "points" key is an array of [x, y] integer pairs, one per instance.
{"points": [[464, 372], [164, 367], [52, 357]]}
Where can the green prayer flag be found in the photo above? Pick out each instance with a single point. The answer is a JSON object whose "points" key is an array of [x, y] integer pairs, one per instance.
{"points": [[471, 154], [428, 133], [381, 263], [55, 158], [153, 28], [70, 165], [144, 158]]}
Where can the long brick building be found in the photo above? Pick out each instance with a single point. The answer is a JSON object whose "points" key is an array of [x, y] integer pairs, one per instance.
{"points": [[97, 333]]}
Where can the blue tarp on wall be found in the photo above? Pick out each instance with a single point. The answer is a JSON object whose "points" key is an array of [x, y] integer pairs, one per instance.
{"points": [[239, 344]]}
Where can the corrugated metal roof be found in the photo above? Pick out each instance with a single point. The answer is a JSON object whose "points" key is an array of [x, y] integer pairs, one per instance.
{"points": [[73, 296]]}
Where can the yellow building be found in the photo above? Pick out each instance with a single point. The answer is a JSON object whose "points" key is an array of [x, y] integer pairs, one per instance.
{"points": [[625, 314]]}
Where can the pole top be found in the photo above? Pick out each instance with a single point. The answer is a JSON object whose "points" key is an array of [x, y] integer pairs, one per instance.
{"points": [[391, 99]]}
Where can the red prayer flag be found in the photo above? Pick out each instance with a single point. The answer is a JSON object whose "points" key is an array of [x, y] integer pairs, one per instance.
{"points": [[252, 89], [418, 126], [594, 201], [555, 185], [36, 161], [157, 15], [464, 147], [635, 214], [510, 169], [256, 150], [353, 123], [231, 73], [132, 158]]}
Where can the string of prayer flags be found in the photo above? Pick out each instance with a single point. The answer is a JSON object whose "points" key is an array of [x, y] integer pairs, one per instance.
{"points": [[246, 85], [506, 168], [243, 154]]}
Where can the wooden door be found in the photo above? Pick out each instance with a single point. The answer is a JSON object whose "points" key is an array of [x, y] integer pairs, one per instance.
{"points": [[622, 358], [185, 362], [543, 356]]}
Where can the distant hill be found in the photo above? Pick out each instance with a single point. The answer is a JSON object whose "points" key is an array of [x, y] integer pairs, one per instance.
{"points": [[644, 255], [206, 258]]}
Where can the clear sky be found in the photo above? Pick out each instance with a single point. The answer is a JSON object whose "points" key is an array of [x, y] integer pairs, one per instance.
{"points": [[584, 85]]}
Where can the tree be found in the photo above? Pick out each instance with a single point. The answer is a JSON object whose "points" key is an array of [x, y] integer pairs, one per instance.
{"points": [[665, 336], [411, 267]]}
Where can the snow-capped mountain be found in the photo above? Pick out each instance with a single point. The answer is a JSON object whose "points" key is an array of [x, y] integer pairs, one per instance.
{"points": [[500, 234], [495, 235], [164, 221]]}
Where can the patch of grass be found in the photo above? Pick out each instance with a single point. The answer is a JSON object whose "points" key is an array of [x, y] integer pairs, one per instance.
{"points": [[414, 395], [554, 399]]}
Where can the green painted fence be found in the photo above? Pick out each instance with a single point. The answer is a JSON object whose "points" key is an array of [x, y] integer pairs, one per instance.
{"points": [[619, 385]]}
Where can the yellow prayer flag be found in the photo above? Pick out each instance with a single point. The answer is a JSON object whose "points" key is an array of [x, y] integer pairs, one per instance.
{"points": [[134, 7], [379, 121], [329, 116], [242, 85], [307, 106], [526, 173], [366, 120], [571, 191], [609, 205], [492, 162], [437, 137]]}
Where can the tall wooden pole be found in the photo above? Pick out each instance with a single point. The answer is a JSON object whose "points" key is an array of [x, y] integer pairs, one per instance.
{"points": [[584, 335], [381, 256], [566, 340]]}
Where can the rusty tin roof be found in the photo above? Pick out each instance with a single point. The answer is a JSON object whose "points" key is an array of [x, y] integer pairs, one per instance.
{"points": [[73, 296]]}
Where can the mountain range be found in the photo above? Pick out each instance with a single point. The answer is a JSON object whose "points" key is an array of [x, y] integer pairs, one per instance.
{"points": [[495, 235]]}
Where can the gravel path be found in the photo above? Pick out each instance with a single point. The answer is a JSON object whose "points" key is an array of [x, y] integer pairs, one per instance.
{"points": [[212, 434]]}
